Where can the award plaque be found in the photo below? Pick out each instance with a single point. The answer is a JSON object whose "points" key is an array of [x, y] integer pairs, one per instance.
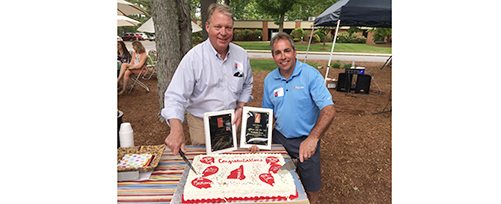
{"points": [[220, 134], [256, 127]]}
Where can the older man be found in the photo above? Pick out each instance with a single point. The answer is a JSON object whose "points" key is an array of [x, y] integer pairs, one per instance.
{"points": [[214, 75], [303, 110]]}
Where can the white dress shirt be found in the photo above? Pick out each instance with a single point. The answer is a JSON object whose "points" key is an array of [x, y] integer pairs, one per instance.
{"points": [[203, 82]]}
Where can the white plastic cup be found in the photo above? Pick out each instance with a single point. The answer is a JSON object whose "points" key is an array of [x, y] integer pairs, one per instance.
{"points": [[126, 135]]}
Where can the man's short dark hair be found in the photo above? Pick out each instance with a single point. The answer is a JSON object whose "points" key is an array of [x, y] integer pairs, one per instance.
{"points": [[281, 36]]}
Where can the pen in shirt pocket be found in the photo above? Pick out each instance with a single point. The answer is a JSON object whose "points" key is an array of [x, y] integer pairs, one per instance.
{"points": [[238, 74]]}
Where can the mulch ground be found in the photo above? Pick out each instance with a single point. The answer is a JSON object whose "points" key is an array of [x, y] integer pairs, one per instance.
{"points": [[355, 150]]}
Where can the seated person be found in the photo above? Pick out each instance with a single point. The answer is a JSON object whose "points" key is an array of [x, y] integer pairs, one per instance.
{"points": [[139, 58], [123, 54]]}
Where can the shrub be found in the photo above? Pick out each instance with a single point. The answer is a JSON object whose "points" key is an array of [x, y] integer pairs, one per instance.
{"points": [[247, 35], [349, 38], [196, 38], [347, 66], [336, 65], [321, 35], [297, 34], [315, 37], [380, 34]]}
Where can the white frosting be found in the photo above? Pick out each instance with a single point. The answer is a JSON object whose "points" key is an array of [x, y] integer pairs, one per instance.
{"points": [[252, 186]]}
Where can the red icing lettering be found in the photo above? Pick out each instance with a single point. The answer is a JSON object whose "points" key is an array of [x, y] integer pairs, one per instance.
{"points": [[271, 159], [207, 160], [237, 173], [274, 168], [210, 170], [267, 178], [201, 182]]}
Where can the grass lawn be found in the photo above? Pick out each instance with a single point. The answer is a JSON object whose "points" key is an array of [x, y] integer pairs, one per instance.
{"points": [[268, 64], [319, 47]]}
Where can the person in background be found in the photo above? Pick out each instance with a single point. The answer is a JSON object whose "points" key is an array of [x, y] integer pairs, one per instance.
{"points": [[139, 57], [123, 54], [215, 75], [303, 109]]}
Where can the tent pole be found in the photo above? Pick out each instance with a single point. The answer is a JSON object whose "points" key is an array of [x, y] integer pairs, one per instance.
{"points": [[309, 43], [332, 50]]}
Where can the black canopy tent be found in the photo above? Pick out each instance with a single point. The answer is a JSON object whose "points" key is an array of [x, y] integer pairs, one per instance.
{"points": [[369, 13]]}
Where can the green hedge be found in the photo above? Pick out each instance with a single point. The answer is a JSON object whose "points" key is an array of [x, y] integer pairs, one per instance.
{"points": [[347, 38], [297, 34], [247, 35]]}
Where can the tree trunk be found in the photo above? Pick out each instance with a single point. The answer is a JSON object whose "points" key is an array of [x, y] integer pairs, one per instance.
{"points": [[205, 5], [167, 43], [281, 23], [184, 26]]}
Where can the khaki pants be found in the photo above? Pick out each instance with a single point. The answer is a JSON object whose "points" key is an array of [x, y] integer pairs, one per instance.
{"points": [[196, 128]]}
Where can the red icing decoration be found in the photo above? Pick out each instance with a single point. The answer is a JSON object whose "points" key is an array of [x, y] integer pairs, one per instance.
{"points": [[267, 178], [235, 199], [237, 173], [201, 182], [271, 159], [274, 168], [210, 170], [207, 160]]}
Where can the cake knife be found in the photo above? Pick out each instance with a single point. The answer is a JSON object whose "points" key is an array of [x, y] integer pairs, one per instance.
{"points": [[290, 165], [187, 161]]}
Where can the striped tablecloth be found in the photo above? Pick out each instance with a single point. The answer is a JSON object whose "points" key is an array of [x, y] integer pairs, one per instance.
{"points": [[161, 186]]}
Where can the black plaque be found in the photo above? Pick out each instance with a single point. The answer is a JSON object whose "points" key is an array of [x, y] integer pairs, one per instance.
{"points": [[256, 127], [256, 131], [220, 132]]}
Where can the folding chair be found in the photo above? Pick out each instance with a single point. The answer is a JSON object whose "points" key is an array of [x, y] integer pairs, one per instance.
{"points": [[151, 64], [135, 78]]}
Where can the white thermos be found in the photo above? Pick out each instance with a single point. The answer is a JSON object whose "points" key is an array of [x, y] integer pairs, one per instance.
{"points": [[126, 135]]}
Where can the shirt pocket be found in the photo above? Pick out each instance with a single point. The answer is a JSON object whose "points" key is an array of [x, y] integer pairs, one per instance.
{"points": [[235, 85]]}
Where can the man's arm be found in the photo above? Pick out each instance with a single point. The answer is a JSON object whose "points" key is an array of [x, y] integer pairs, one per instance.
{"points": [[309, 145], [238, 113], [175, 139], [175, 98]]}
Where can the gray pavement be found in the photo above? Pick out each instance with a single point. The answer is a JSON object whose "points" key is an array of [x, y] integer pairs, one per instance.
{"points": [[263, 54]]}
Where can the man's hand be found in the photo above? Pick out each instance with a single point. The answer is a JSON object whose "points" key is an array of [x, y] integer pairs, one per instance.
{"points": [[307, 148], [238, 117], [254, 149], [175, 139]]}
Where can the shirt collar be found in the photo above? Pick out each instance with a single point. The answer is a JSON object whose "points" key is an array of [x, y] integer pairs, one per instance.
{"points": [[215, 52], [296, 72]]}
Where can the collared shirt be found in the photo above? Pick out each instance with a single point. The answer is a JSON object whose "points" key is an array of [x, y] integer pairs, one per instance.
{"points": [[203, 82], [297, 101]]}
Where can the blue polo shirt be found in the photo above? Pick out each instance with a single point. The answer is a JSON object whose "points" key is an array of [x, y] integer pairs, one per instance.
{"points": [[297, 101]]}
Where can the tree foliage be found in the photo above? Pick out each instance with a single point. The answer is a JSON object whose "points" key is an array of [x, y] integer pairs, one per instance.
{"points": [[307, 8], [277, 9]]}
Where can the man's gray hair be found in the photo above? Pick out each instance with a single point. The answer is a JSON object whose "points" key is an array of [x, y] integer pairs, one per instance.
{"points": [[222, 8], [281, 36]]}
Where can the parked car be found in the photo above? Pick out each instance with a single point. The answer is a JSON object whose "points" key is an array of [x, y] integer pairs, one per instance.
{"points": [[151, 37], [141, 36], [129, 37]]}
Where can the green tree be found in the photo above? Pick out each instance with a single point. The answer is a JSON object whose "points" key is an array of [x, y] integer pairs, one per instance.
{"points": [[305, 8], [277, 9]]}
